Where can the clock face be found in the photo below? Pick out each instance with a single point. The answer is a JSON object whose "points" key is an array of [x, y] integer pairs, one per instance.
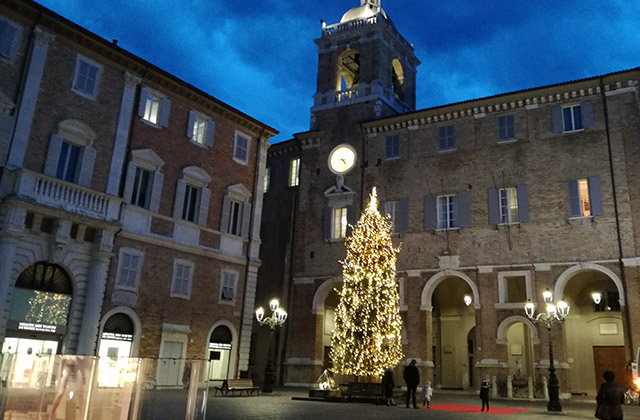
{"points": [[342, 159]]}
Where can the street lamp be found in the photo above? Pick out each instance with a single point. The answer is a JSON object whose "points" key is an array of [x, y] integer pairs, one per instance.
{"points": [[277, 318], [553, 314]]}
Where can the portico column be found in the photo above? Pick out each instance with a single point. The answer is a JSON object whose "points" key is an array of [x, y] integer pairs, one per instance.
{"points": [[10, 233], [96, 284]]}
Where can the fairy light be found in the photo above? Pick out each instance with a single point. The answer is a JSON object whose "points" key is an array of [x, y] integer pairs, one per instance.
{"points": [[367, 335]]}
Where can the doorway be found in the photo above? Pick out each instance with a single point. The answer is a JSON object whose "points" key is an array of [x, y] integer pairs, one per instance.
{"points": [[220, 346], [611, 358]]}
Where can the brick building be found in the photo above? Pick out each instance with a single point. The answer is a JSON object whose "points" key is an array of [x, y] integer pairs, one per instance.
{"points": [[130, 207], [494, 200]]}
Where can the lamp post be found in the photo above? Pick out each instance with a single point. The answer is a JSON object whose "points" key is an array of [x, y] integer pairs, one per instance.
{"points": [[277, 318], [554, 314]]}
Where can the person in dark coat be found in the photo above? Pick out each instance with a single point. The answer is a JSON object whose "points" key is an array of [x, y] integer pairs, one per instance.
{"points": [[484, 394], [412, 379], [388, 383], [610, 398]]}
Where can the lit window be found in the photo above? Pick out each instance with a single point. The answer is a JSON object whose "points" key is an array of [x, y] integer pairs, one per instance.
{"points": [[446, 138], [182, 273], [391, 208], [199, 129], [392, 147], [86, 78], [152, 108], [508, 205], [228, 289], [190, 204], [267, 179], [506, 128], [129, 268], [572, 118], [235, 218], [339, 223], [68, 162], [583, 190], [447, 212], [8, 36], [609, 302], [241, 149], [294, 172], [141, 188]]}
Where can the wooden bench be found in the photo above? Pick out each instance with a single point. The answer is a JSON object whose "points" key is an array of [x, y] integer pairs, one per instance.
{"points": [[354, 391], [233, 386]]}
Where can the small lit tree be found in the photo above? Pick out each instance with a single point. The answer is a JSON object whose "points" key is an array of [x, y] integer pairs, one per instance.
{"points": [[367, 335]]}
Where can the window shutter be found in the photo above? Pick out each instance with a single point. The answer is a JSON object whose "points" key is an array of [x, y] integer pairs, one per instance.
{"points": [[156, 191], [211, 129], [142, 101], [586, 109], [246, 219], [595, 196], [129, 180], [464, 208], [179, 200], [86, 169], [351, 215], [574, 198], [53, 155], [192, 120], [203, 212], [403, 215], [327, 222], [523, 203], [494, 206], [164, 112], [556, 119], [430, 214], [226, 210]]}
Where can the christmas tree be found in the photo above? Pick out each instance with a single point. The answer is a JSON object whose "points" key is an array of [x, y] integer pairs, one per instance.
{"points": [[367, 337]]}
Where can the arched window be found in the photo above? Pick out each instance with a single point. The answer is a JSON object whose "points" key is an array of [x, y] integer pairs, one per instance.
{"points": [[71, 155], [45, 277], [348, 74], [397, 79]]}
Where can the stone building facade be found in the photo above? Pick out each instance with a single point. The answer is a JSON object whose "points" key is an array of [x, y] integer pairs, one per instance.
{"points": [[130, 206], [494, 201]]}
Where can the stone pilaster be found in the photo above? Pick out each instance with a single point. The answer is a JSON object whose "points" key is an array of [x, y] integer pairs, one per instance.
{"points": [[10, 233]]}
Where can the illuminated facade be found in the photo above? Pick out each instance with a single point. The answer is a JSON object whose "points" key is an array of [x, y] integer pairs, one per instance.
{"points": [[494, 200], [119, 235]]}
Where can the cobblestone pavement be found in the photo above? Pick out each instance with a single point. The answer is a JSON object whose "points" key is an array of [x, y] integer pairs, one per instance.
{"points": [[281, 406]]}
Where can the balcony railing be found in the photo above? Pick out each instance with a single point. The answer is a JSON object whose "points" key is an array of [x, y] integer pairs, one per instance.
{"points": [[66, 195]]}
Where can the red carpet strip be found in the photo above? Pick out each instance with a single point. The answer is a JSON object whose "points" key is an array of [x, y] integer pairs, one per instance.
{"points": [[473, 409]]}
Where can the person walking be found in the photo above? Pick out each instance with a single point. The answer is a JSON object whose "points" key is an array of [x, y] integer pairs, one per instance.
{"points": [[412, 379], [484, 394], [610, 398], [388, 383], [427, 393]]}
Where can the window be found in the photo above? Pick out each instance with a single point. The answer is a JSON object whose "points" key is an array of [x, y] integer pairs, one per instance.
{"points": [[85, 81], [585, 197], [514, 288], [393, 147], [68, 162], [236, 211], [447, 138], [508, 205], [154, 107], [609, 302], [141, 188], [392, 209], [241, 148], [200, 128], [129, 267], [447, 212], [339, 223], [229, 280], [572, 118], [234, 218], [190, 204], [506, 128], [267, 179], [294, 172], [182, 274], [8, 38]]}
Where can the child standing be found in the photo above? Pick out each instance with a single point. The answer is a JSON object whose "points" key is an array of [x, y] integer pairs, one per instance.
{"points": [[427, 393], [484, 394]]}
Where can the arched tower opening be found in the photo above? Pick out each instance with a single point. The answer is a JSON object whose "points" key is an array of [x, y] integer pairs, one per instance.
{"points": [[348, 71]]}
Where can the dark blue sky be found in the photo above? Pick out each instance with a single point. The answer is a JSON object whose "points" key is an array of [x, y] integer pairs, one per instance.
{"points": [[259, 56]]}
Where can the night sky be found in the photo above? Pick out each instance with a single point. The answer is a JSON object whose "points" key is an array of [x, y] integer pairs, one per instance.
{"points": [[259, 56]]}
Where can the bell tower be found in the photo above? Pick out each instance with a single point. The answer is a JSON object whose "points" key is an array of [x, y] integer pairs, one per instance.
{"points": [[366, 69]]}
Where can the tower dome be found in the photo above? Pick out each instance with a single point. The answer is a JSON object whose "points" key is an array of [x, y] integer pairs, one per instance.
{"points": [[367, 9]]}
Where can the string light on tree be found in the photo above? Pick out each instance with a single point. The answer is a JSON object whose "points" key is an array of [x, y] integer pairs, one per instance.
{"points": [[367, 335]]}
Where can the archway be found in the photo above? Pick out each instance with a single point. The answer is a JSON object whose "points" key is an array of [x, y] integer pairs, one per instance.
{"points": [[219, 353], [348, 71], [594, 331], [330, 305], [115, 348], [397, 79], [519, 338]]}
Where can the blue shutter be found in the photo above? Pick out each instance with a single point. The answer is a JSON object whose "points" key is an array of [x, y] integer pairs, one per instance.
{"points": [[86, 167], [586, 109], [595, 196], [556, 119], [430, 212], [327, 222], [156, 191], [226, 211], [464, 208], [53, 155], [351, 215], [403, 215], [211, 129], [142, 101], [165, 110], [574, 198], [523, 203], [203, 211], [494, 206], [190, 122], [178, 204], [246, 220], [128, 183]]}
